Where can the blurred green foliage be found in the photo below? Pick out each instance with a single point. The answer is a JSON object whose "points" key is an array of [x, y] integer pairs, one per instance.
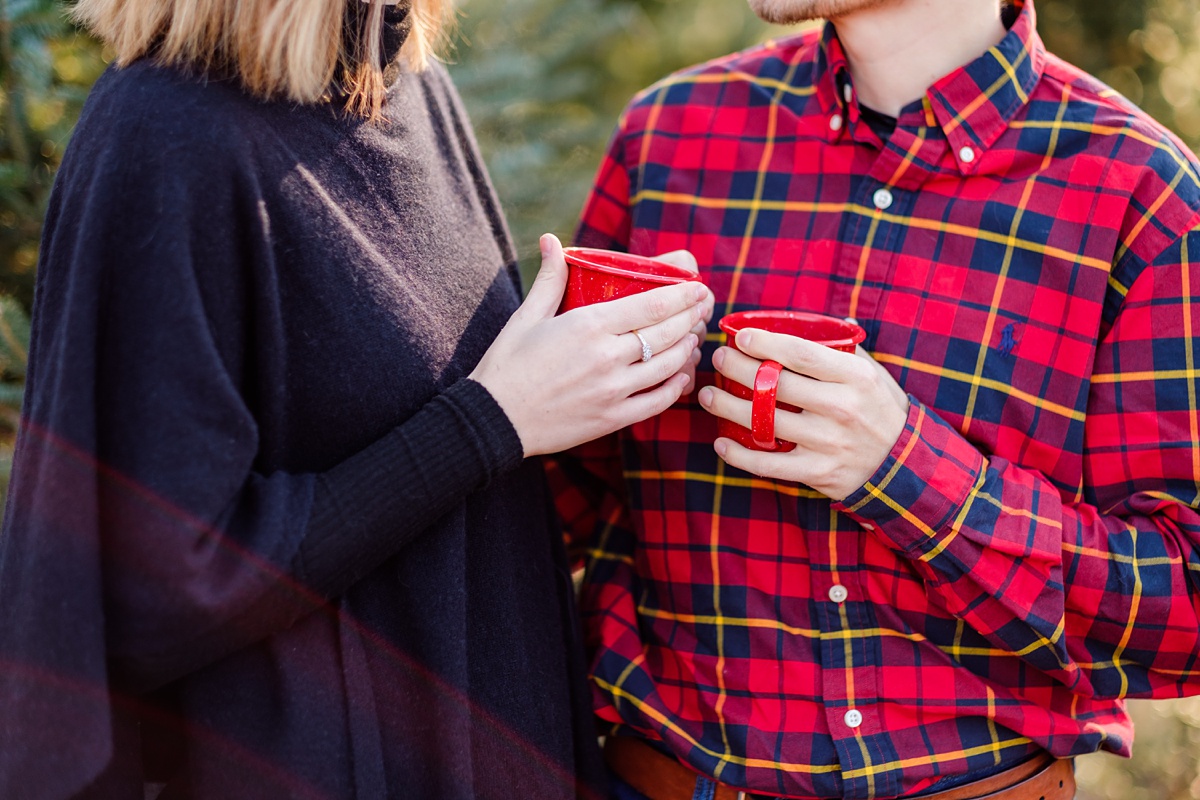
{"points": [[1148, 51], [14, 356], [1166, 757], [544, 81], [45, 73]]}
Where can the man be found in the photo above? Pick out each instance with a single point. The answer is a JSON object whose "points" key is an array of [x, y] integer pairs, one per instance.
{"points": [[988, 534]]}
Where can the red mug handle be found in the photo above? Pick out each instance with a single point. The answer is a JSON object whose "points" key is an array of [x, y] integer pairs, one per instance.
{"points": [[762, 412]]}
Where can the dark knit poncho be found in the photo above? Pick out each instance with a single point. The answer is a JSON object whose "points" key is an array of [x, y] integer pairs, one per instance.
{"points": [[265, 540]]}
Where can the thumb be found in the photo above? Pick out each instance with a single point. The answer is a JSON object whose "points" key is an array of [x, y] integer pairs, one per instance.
{"points": [[546, 293]]}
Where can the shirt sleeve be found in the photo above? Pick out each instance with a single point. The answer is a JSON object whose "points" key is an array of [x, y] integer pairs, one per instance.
{"points": [[1101, 591], [605, 221]]}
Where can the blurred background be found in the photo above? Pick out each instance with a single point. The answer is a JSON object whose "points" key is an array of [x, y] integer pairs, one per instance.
{"points": [[544, 81]]}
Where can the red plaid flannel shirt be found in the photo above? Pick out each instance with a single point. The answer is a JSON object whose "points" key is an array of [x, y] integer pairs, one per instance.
{"points": [[1023, 253]]}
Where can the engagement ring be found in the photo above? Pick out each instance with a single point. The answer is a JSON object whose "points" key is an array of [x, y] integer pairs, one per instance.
{"points": [[647, 353]]}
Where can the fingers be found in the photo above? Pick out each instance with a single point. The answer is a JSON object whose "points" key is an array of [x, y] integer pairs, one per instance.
{"points": [[681, 258], [685, 259], [651, 387], [644, 310], [655, 385], [756, 462], [798, 355], [644, 352], [654, 401], [546, 293], [689, 370], [663, 365], [721, 403], [809, 431], [797, 390], [665, 334]]}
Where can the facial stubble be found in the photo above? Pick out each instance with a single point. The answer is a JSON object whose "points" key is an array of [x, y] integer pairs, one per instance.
{"points": [[789, 12]]}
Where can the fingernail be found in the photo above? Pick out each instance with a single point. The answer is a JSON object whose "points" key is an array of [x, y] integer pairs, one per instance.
{"points": [[719, 357], [744, 339], [721, 446], [706, 396], [544, 245], [693, 341], [700, 292]]}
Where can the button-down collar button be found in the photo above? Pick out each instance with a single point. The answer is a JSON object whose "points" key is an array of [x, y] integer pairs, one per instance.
{"points": [[838, 593], [882, 199], [853, 718], [967, 154], [847, 92], [866, 526], [835, 122]]}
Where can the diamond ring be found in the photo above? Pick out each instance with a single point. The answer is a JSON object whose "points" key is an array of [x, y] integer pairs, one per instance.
{"points": [[647, 353]]}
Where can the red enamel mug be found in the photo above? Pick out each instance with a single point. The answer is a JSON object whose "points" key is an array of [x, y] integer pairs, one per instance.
{"points": [[594, 276], [819, 328]]}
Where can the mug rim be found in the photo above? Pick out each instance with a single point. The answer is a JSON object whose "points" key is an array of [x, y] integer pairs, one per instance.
{"points": [[585, 257], [730, 323]]}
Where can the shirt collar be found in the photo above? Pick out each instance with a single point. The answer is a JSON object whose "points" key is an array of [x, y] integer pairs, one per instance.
{"points": [[972, 105]]}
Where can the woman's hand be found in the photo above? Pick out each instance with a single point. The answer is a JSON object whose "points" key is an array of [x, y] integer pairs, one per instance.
{"points": [[567, 379], [854, 411]]}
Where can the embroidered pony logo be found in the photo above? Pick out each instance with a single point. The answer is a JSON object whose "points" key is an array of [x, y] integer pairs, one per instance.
{"points": [[1007, 342]]}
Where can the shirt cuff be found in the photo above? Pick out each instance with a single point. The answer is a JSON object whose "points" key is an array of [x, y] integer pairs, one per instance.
{"points": [[922, 486]]}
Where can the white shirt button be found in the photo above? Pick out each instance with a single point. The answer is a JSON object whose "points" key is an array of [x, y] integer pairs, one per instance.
{"points": [[838, 593], [967, 154], [853, 718], [882, 199], [866, 526], [835, 122], [847, 92]]}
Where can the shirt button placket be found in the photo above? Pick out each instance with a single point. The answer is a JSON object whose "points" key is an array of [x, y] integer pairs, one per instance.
{"points": [[851, 656]]}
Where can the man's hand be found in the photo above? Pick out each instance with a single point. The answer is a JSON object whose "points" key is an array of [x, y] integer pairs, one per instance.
{"points": [[684, 259], [854, 411]]}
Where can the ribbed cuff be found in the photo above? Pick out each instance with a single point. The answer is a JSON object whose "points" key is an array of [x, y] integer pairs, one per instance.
{"points": [[369, 506]]}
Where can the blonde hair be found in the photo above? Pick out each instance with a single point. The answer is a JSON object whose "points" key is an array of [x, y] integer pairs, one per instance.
{"points": [[294, 49]]}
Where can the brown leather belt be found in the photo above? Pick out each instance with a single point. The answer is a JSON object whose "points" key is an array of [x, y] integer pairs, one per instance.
{"points": [[660, 777]]}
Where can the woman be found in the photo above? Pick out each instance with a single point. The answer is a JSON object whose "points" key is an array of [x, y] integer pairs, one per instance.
{"points": [[271, 531]]}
